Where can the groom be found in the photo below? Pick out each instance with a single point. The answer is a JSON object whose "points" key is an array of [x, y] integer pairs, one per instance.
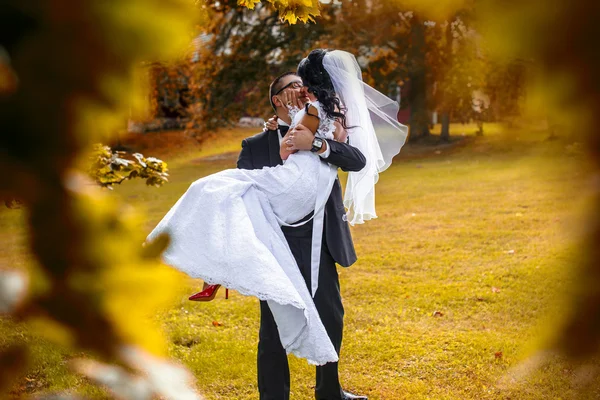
{"points": [[262, 150]]}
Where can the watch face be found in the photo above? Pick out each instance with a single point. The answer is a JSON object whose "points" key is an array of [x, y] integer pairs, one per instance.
{"points": [[317, 144]]}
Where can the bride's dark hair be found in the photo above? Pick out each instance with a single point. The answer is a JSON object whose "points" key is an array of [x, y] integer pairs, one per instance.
{"points": [[315, 77]]}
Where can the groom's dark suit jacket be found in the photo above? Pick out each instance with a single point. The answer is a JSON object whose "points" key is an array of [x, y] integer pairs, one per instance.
{"points": [[262, 150]]}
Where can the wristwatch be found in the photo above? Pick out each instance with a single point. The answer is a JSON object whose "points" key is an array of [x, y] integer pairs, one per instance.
{"points": [[317, 145]]}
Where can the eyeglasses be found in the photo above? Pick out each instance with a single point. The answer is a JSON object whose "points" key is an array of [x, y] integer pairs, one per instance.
{"points": [[292, 84]]}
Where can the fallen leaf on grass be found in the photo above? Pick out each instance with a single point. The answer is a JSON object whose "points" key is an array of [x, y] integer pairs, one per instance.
{"points": [[438, 314], [217, 323], [495, 290], [498, 355]]}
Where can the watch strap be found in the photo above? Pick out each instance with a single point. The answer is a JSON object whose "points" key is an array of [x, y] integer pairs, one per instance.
{"points": [[317, 145]]}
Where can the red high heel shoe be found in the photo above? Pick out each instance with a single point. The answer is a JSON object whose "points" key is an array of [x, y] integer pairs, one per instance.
{"points": [[208, 293]]}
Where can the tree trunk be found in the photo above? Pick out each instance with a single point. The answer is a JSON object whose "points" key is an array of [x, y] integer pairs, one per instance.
{"points": [[419, 119], [445, 120], [446, 65], [480, 127]]}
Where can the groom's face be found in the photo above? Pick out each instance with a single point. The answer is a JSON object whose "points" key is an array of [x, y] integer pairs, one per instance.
{"points": [[289, 90]]}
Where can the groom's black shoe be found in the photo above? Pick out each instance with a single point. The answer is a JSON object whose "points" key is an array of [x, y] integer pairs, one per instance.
{"points": [[350, 396]]}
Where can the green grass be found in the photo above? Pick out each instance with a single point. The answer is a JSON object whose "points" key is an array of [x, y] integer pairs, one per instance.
{"points": [[499, 212]]}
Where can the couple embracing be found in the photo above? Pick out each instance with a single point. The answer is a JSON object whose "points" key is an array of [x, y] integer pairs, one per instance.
{"points": [[275, 227]]}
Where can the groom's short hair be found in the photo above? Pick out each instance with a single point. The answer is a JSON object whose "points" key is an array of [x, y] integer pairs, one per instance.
{"points": [[276, 86]]}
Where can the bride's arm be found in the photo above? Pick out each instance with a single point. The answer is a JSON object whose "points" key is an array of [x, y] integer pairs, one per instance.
{"points": [[341, 153], [310, 120], [340, 134]]}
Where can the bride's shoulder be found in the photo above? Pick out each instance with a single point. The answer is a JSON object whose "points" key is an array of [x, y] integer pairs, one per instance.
{"points": [[314, 108], [326, 125], [316, 104]]}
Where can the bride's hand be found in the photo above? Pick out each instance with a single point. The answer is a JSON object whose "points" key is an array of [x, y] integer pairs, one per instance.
{"points": [[340, 134], [284, 153], [291, 99], [271, 123]]}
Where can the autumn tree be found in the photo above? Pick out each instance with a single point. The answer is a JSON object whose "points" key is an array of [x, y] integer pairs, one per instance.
{"points": [[505, 83], [379, 41], [391, 41], [456, 64], [244, 50], [442, 64], [169, 88]]}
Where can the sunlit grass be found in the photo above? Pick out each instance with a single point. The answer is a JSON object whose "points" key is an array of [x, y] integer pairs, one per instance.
{"points": [[483, 233]]}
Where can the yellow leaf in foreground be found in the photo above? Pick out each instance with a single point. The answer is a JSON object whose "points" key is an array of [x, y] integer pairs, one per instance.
{"points": [[248, 3]]}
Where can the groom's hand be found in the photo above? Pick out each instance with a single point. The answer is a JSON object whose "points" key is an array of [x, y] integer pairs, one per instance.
{"points": [[300, 138]]}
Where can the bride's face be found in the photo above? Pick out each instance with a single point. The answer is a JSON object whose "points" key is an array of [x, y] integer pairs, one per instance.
{"points": [[305, 93]]}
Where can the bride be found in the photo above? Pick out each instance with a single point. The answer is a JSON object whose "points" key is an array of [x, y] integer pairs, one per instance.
{"points": [[226, 228]]}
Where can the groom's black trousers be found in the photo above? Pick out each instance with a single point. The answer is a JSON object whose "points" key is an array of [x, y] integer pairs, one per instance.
{"points": [[273, 369]]}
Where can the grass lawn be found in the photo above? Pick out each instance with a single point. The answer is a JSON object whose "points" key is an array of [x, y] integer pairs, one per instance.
{"points": [[457, 281]]}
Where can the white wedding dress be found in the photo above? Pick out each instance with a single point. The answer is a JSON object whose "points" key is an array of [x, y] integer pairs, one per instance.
{"points": [[226, 229]]}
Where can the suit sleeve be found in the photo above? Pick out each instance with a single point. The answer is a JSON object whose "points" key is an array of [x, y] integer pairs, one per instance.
{"points": [[245, 158], [344, 156]]}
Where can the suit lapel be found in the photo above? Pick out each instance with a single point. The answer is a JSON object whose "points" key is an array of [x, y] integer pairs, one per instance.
{"points": [[274, 157]]}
